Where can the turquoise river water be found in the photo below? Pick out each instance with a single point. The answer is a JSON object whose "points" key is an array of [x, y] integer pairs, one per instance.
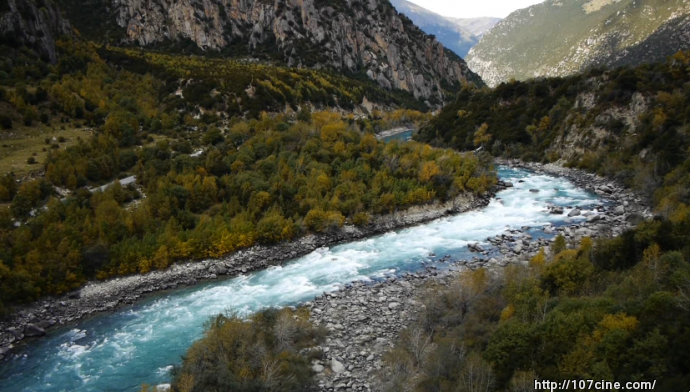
{"points": [[139, 344]]}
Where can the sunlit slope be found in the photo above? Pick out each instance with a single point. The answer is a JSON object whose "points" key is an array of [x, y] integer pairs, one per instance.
{"points": [[558, 38]]}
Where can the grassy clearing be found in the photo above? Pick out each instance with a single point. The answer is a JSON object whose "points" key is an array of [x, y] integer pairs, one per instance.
{"points": [[18, 145]]}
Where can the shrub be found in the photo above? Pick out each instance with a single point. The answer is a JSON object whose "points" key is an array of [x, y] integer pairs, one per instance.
{"points": [[31, 160], [5, 122], [304, 115], [250, 355]]}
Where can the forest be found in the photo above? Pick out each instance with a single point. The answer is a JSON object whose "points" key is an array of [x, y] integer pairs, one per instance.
{"points": [[206, 184]]}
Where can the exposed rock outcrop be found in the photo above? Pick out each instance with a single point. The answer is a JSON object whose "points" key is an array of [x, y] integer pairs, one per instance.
{"points": [[34, 24], [358, 37]]}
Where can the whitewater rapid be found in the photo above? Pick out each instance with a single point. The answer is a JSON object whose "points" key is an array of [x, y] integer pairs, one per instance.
{"points": [[140, 344]]}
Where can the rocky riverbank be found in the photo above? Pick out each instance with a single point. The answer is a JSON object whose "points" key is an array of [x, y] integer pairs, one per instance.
{"points": [[95, 297], [364, 319]]}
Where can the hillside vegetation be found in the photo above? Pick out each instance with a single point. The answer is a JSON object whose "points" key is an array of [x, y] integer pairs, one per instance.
{"points": [[564, 37], [208, 182], [629, 124], [616, 310], [265, 181]]}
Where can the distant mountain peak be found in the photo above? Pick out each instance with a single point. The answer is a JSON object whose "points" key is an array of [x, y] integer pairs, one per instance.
{"points": [[477, 26], [452, 34]]}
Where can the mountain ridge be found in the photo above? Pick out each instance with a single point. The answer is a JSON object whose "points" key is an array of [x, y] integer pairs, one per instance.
{"points": [[367, 38], [558, 38], [450, 33], [477, 26]]}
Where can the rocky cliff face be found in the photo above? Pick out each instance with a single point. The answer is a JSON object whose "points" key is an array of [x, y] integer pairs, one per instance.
{"points": [[359, 37], [34, 24], [559, 38]]}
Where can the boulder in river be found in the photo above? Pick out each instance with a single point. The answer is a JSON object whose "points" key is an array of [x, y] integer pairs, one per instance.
{"points": [[556, 210], [534, 190], [620, 210], [475, 248], [575, 212]]}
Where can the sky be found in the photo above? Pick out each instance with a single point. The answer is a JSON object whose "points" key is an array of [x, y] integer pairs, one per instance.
{"points": [[474, 8]]}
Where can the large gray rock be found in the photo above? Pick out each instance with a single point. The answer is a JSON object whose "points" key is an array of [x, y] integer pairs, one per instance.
{"points": [[575, 212], [556, 210], [475, 248], [620, 210], [16, 333], [317, 367], [337, 366], [33, 330]]}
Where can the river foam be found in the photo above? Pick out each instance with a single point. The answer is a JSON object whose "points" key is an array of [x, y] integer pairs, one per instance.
{"points": [[120, 351]]}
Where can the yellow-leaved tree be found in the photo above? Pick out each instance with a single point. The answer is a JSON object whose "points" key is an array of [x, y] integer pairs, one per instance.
{"points": [[482, 136]]}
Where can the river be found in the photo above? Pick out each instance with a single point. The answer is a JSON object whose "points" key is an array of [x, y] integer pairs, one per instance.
{"points": [[139, 344], [402, 136]]}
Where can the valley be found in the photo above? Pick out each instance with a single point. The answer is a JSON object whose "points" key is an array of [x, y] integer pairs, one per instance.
{"points": [[324, 269], [310, 195]]}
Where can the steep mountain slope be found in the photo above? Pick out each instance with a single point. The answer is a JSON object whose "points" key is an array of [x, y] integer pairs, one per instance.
{"points": [[476, 26], [631, 124], [364, 39], [451, 34], [558, 38], [34, 24]]}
